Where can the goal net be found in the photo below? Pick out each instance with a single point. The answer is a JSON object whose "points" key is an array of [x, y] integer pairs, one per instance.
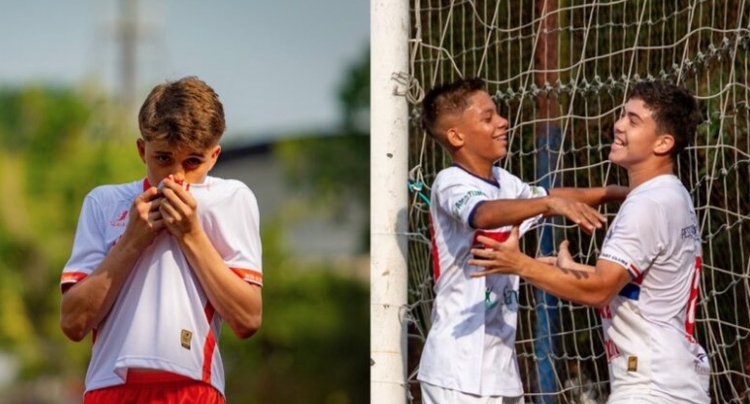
{"points": [[559, 70]]}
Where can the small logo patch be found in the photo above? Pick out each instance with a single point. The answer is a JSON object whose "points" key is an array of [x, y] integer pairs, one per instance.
{"points": [[185, 338], [121, 221], [632, 363]]}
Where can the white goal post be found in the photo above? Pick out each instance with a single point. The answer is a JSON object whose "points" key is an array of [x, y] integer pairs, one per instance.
{"points": [[559, 71]]}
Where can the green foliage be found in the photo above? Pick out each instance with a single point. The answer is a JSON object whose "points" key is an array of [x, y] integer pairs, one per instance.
{"points": [[314, 341], [48, 162], [335, 167]]}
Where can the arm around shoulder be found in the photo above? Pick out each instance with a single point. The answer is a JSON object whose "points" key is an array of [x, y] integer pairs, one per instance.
{"points": [[593, 196]]}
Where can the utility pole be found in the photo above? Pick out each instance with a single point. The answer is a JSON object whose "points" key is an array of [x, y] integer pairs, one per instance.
{"points": [[127, 36]]}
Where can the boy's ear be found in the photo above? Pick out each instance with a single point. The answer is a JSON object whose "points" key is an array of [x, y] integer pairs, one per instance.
{"points": [[454, 137], [664, 144], [215, 155], [141, 145]]}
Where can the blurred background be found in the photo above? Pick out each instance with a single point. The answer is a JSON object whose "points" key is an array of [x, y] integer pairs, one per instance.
{"points": [[294, 80]]}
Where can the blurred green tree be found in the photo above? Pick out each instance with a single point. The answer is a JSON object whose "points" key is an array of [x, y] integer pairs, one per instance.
{"points": [[335, 166]]}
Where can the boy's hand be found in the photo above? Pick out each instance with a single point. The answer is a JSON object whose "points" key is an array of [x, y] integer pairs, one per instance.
{"points": [[178, 208], [145, 220], [564, 258], [497, 257], [586, 217]]}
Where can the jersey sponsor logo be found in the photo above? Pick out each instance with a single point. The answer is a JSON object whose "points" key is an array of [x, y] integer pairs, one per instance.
{"points": [[121, 221], [632, 363], [618, 260], [463, 200], [186, 338], [702, 366], [509, 299], [690, 232]]}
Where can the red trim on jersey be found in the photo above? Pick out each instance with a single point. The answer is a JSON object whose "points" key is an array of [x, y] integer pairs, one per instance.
{"points": [[638, 275], [146, 184], [71, 277], [209, 346], [249, 275], [435, 256], [499, 236]]}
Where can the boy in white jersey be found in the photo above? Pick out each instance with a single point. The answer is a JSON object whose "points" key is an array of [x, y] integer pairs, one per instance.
{"points": [[469, 355], [646, 278], [156, 269]]}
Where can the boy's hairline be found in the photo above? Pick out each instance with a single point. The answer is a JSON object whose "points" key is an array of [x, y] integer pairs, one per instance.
{"points": [[178, 144]]}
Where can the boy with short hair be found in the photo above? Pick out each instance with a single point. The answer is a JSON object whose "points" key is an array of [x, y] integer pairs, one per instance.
{"points": [[155, 270], [646, 279], [469, 355]]}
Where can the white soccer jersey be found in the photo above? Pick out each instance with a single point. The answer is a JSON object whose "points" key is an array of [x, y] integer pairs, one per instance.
{"points": [[471, 343], [649, 325], [162, 318]]}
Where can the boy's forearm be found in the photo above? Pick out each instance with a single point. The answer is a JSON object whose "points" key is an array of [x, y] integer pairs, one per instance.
{"points": [[505, 212], [581, 284], [85, 304], [236, 301], [593, 196]]}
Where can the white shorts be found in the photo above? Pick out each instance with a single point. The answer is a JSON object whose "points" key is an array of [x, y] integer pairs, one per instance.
{"points": [[432, 394]]}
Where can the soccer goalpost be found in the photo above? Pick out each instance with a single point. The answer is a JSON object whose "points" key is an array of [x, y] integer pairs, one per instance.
{"points": [[558, 70]]}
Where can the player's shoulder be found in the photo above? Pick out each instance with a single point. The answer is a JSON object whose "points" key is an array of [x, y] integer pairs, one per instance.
{"points": [[449, 173], [113, 193], [659, 190], [217, 189], [504, 176]]}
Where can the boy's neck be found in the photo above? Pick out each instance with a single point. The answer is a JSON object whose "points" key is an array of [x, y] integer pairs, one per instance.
{"points": [[639, 175], [479, 168]]}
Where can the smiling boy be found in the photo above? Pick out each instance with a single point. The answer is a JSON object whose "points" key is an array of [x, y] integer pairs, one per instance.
{"points": [[645, 282], [155, 271], [469, 355]]}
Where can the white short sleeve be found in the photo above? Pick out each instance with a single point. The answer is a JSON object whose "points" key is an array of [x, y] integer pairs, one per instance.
{"points": [[636, 237], [90, 243], [234, 229]]}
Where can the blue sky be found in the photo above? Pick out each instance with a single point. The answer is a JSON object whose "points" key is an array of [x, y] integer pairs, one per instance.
{"points": [[276, 64]]}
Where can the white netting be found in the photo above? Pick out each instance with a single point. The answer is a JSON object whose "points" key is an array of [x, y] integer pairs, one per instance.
{"points": [[559, 71]]}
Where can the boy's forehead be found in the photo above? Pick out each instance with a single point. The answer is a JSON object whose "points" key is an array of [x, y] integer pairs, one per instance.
{"points": [[480, 101], [637, 106], [166, 147]]}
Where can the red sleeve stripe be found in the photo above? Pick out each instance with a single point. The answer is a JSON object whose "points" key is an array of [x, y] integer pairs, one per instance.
{"points": [[249, 275], [634, 271], [68, 277]]}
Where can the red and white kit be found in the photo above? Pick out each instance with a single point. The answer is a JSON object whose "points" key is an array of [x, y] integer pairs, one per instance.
{"points": [[162, 318], [649, 325], [471, 342]]}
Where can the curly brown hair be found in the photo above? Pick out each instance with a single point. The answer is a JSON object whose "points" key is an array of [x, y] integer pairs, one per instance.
{"points": [[674, 108], [186, 112]]}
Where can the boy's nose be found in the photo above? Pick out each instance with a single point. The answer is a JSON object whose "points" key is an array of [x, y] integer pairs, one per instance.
{"points": [[502, 123], [178, 177]]}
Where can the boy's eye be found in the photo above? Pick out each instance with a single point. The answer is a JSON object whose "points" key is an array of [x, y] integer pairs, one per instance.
{"points": [[162, 159]]}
